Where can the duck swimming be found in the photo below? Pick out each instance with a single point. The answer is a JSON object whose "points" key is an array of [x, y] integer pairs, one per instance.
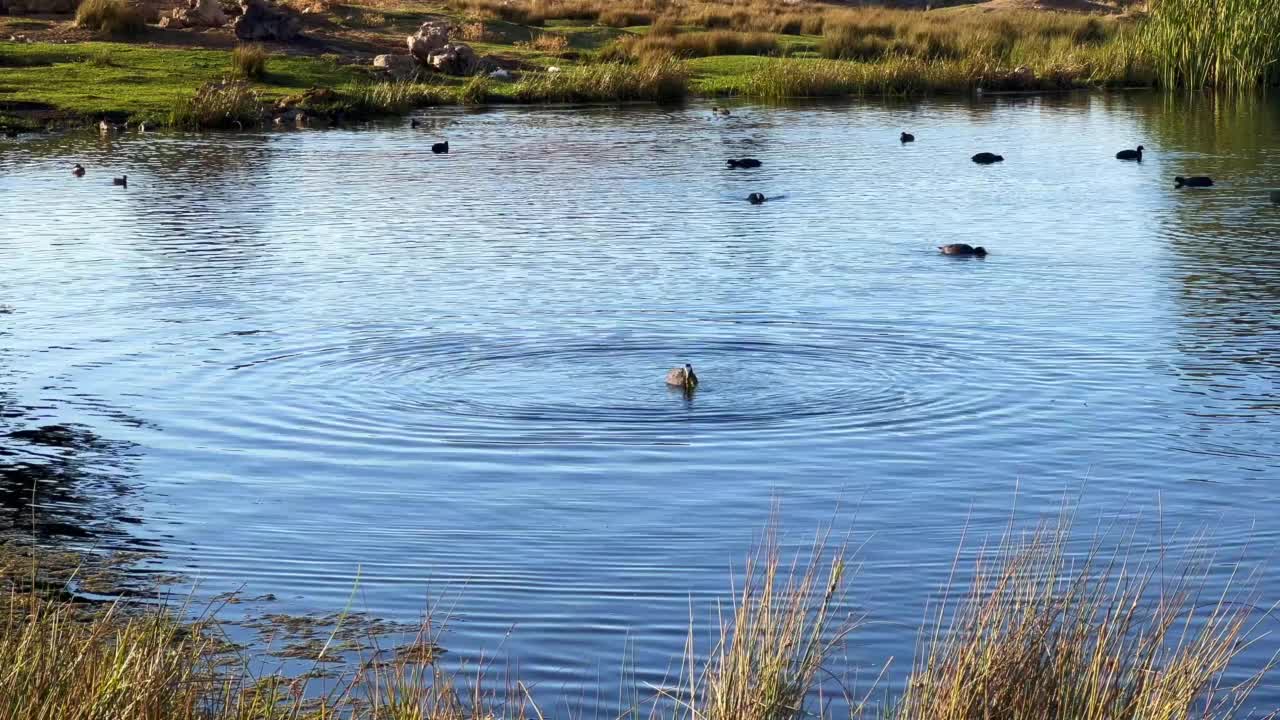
{"points": [[683, 377], [1130, 154], [1197, 181], [963, 249], [744, 163], [907, 137], [986, 158], [121, 181], [440, 148], [78, 170], [756, 198]]}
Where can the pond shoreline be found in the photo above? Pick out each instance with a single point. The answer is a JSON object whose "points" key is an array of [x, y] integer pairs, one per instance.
{"points": [[1029, 634]]}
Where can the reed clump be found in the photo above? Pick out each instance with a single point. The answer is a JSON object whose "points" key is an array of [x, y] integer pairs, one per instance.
{"points": [[657, 79], [1048, 627], [249, 61], [112, 17], [1046, 633], [1225, 44], [221, 104], [391, 97], [695, 44], [784, 627]]}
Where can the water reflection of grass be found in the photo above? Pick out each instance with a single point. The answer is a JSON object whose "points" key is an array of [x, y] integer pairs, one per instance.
{"points": [[1043, 633]]}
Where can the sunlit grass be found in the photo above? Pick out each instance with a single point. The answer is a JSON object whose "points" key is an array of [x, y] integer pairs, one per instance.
{"points": [[1045, 632], [657, 79], [1044, 625], [112, 17], [1226, 44]]}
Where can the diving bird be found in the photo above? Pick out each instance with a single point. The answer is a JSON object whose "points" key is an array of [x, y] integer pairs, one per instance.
{"points": [[986, 158], [78, 170], [121, 181], [440, 148], [683, 377], [963, 249], [907, 137], [1130, 154], [1197, 181], [756, 198], [744, 163]]}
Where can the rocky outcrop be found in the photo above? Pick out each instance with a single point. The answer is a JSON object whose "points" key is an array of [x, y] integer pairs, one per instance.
{"points": [[260, 21], [197, 13], [454, 59], [431, 47], [431, 36]]}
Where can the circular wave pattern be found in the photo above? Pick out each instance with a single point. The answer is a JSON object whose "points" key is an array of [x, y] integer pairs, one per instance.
{"points": [[550, 387]]}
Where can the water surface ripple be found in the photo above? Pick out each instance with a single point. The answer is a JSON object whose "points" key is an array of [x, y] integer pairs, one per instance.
{"points": [[335, 355]]}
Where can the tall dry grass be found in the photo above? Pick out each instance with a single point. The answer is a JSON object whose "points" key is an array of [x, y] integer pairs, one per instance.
{"points": [[784, 627], [1046, 630], [1226, 44], [113, 17], [249, 61], [1043, 633], [657, 79], [774, 16], [693, 44], [218, 105]]}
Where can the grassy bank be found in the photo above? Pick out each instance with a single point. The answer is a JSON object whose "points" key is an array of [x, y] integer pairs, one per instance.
{"points": [[1047, 630], [652, 50]]}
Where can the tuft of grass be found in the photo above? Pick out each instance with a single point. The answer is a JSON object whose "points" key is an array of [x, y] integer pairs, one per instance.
{"points": [[1226, 44], [218, 105], [659, 79], [112, 17], [549, 43], [1047, 633], [695, 44], [624, 17], [388, 98], [249, 61], [781, 632], [1046, 629], [475, 31], [477, 91]]}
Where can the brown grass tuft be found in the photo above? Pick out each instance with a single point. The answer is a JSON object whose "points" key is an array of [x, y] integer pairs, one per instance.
{"points": [[113, 17]]}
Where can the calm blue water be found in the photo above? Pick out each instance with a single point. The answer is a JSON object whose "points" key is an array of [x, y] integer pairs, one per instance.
{"points": [[326, 355]]}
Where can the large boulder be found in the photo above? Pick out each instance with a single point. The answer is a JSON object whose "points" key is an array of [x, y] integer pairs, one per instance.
{"points": [[431, 37], [400, 67], [197, 13], [260, 21], [454, 59]]}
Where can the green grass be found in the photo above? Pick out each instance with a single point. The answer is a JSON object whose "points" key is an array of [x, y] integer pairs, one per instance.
{"points": [[1227, 44], [804, 51], [141, 81]]}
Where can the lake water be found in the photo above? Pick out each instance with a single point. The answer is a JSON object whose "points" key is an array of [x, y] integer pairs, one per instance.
{"points": [[317, 356]]}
